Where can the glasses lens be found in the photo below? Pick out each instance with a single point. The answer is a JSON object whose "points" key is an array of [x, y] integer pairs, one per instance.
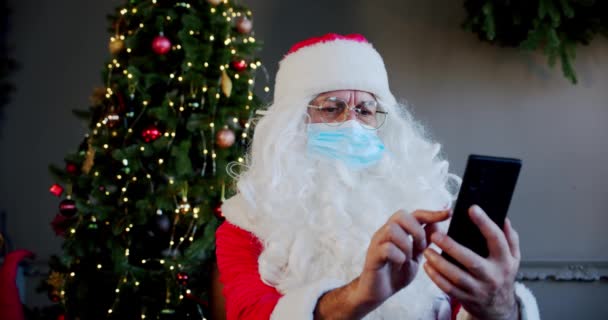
{"points": [[332, 111]]}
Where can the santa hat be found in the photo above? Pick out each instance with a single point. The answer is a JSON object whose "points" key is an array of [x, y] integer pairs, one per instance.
{"points": [[331, 62]]}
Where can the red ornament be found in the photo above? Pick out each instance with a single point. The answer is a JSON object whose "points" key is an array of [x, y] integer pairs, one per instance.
{"points": [[161, 45], [71, 168], [182, 278], [151, 133], [239, 65], [218, 211], [56, 189], [67, 207], [244, 25], [60, 224], [225, 138]]}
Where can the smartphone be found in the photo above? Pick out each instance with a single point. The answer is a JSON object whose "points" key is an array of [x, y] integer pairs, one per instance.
{"points": [[488, 182]]}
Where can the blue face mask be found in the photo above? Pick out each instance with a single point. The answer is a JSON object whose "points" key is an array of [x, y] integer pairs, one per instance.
{"points": [[355, 146]]}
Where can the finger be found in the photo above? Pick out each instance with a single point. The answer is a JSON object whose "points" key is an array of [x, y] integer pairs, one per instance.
{"points": [[512, 239], [394, 234], [426, 216], [415, 229], [448, 270], [389, 252], [497, 243], [429, 229], [474, 263], [445, 285]]}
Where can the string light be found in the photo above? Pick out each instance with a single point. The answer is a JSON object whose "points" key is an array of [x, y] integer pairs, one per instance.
{"points": [[109, 310], [160, 161], [72, 274], [211, 38], [266, 89], [99, 266]]}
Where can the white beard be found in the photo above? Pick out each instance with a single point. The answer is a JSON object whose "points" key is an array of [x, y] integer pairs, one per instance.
{"points": [[323, 230]]}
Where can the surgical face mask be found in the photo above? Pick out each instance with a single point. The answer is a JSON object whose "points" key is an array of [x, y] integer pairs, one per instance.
{"points": [[351, 143]]}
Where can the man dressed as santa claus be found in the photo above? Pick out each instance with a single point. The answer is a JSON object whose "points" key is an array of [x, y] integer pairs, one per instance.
{"points": [[344, 199]]}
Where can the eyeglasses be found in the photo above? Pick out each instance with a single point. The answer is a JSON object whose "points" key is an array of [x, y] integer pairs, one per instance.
{"points": [[334, 111]]}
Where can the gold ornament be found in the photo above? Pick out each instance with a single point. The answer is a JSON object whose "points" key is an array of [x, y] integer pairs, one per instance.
{"points": [[116, 46], [56, 280], [214, 2], [90, 158], [226, 84]]}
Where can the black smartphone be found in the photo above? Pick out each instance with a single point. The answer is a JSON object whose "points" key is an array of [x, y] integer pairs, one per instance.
{"points": [[488, 182]]}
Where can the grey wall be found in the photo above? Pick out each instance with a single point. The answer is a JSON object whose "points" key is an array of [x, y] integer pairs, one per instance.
{"points": [[474, 98]]}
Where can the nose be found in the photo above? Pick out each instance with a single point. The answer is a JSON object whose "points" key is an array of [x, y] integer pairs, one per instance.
{"points": [[351, 114]]}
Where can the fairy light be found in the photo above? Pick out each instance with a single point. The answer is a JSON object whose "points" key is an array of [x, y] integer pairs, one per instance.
{"points": [[134, 10], [141, 25], [236, 76], [212, 10], [162, 261], [245, 40], [143, 316], [95, 131], [98, 124], [148, 176], [250, 97], [188, 291], [222, 68], [227, 41], [244, 135], [235, 120], [189, 64], [107, 193], [130, 76], [171, 267], [171, 104], [118, 177], [191, 32], [125, 199], [130, 130], [181, 296], [160, 161], [117, 290], [109, 311], [171, 181], [247, 124], [213, 155], [258, 63], [96, 173], [172, 76], [124, 189], [253, 66], [173, 134], [205, 87], [180, 78], [105, 146], [72, 274], [181, 239], [168, 18], [181, 108], [142, 148], [127, 229], [211, 125], [211, 38], [205, 152], [240, 160], [217, 95], [145, 102], [192, 238], [179, 47], [98, 266], [267, 89], [143, 261], [166, 134], [125, 162], [233, 51], [171, 242], [127, 252], [137, 283], [250, 81], [123, 11], [134, 178]]}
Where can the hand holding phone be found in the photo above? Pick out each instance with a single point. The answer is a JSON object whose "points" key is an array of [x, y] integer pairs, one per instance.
{"points": [[488, 182]]}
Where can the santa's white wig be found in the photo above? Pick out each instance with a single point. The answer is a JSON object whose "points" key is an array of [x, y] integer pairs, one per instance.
{"points": [[319, 212]]}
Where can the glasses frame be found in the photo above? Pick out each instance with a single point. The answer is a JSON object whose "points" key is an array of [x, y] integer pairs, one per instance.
{"points": [[349, 108]]}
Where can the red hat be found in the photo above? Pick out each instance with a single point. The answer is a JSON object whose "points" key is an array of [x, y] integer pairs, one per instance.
{"points": [[331, 62]]}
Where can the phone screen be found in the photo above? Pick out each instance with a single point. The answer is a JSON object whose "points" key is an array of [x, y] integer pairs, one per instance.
{"points": [[488, 182]]}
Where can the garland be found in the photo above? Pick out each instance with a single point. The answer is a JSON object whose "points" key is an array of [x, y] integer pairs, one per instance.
{"points": [[554, 27]]}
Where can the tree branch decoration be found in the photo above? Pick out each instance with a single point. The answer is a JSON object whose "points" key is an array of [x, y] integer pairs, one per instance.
{"points": [[554, 27]]}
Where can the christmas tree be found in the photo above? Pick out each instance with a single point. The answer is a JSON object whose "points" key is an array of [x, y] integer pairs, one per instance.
{"points": [[141, 196]]}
